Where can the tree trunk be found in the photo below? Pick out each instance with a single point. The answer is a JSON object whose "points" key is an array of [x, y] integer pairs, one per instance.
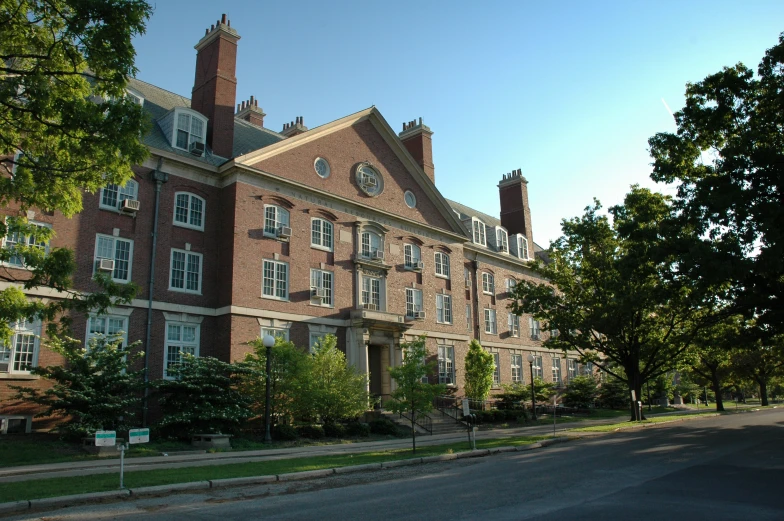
{"points": [[413, 433], [717, 391], [763, 391], [635, 385]]}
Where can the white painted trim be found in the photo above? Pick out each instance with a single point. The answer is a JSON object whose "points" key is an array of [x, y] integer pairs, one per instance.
{"points": [[438, 335], [183, 317]]}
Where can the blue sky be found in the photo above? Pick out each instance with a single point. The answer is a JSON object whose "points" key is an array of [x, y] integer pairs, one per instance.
{"points": [[569, 92]]}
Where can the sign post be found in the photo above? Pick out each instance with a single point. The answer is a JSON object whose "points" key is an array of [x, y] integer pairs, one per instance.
{"points": [[134, 436]]}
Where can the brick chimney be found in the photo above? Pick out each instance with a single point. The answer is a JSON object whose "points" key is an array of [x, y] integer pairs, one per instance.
{"points": [[515, 212], [215, 86], [295, 128], [416, 137], [250, 112]]}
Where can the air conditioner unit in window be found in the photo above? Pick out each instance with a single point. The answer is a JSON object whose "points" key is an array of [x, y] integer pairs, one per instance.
{"points": [[468, 283], [371, 307], [4, 367], [319, 293], [419, 265], [106, 265], [130, 205], [419, 315], [197, 149], [284, 232], [377, 254]]}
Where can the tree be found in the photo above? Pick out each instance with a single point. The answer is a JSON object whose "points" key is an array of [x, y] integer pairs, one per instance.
{"points": [[332, 390], [479, 368], [413, 396], [614, 289], [95, 389], [613, 393], [67, 128], [582, 391], [760, 362], [204, 396]]}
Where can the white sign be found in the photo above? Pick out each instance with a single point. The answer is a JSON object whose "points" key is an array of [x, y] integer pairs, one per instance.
{"points": [[466, 408], [105, 438], [138, 436]]}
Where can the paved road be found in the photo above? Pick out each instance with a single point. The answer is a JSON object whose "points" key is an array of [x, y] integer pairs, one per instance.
{"points": [[729, 467]]}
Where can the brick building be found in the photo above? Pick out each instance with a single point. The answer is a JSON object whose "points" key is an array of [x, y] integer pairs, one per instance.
{"points": [[303, 232]]}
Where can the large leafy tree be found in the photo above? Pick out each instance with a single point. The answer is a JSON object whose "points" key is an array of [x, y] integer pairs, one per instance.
{"points": [[760, 363], [66, 128], [615, 292], [479, 367]]}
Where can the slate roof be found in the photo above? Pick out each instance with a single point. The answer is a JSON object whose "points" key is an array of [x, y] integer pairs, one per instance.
{"points": [[158, 102]]}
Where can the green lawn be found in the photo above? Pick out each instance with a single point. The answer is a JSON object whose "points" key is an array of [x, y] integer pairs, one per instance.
{"points": [[655, 419], [101, 482]]}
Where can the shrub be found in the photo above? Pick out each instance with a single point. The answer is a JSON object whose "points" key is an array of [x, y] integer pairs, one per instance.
{"points": [[487, 416], [581, 392], [334, 430], [285, 433], [384, 426], [314, 432], [512, 415], [358, 429], [499, 416]]}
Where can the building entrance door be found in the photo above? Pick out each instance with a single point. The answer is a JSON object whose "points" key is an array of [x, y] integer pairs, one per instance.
{"points": [[375, 368]]}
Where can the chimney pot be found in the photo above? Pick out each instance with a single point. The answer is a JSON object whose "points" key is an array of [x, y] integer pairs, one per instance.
{"points": [[420, 121], [206, 32], [223, 18]]}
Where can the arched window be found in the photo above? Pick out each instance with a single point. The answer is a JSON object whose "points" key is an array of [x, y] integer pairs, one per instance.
{"points": [[321, 234], [372, 245], [479, 232], [189, 210], [189, 127], [442, 264], [412, 256], [276, 218]]}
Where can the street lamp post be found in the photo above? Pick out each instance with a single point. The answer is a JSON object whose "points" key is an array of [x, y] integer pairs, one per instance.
{"points": [[268, 342], [533, 391]]}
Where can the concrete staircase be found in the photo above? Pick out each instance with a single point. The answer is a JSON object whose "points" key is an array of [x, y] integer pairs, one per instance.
{"points": [[441, 423]]}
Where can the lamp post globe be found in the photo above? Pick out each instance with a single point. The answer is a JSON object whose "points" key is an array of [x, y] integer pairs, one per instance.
{"points": [[533, 390], [268, 342]]}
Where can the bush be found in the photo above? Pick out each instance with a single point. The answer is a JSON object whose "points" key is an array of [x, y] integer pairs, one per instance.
{"points": [[581, 392], [487, 416], [361, 430], [512, 415], [334, 430], [285, 433], [384, 426], [314, 432], [499, 416]]}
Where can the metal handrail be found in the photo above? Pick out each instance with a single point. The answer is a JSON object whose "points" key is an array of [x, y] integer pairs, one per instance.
{"points": [[424, 422]]}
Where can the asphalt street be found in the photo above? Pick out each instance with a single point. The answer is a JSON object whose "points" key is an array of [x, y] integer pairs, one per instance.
{"points": [[729, 467]]}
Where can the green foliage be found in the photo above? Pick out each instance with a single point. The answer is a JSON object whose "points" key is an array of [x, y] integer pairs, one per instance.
{"points": [[95, 388], [614, 393], [284, 432], [582, 391], [334, 430], [358, 429], [313, 432], [479, 367], [384, 426], [204, 396]]}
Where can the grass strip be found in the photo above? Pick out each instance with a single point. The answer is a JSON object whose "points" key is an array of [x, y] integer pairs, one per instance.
{"points": [[36, 489], [628, 424]]}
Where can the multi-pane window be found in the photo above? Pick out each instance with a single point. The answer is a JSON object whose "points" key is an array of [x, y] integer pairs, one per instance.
{"points": [[371, 292], [275, 217], [488, 283], [469, 322], [443, 309], [118, 250], [275, 332], [556, 371], [189, 210], [321, 287], [190, 129], [502, 240], [113, 195], [490, 324], [20, 354], [522, 247], [479, 232], [446, 365], [315, 339], [413, 301], [321, 234], [537, 367], [510, 286], [497, 369], [514, 324], [571, 368], [181, 339], [412, 255], [467, 277], [275, 280], [107, 326], [533, 325], [517, 368], [442, 264], [587, 369], [16, 239], [185, 274], [370, 243]]}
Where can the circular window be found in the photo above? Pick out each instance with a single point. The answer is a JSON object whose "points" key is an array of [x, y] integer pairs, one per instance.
{"points": [[410, 199], [322, 167], [369, 180]]}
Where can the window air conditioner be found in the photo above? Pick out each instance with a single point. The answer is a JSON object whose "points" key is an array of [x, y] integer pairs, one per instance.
{"points": [[197, 148], [319, 293], [130, 205], [419, 265], [419, 315], [377, 254], [371, 307], [106, 265], [4, 367], [284, 232]]}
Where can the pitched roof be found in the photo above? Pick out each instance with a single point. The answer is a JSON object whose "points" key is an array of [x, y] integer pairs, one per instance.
{"points": [[158, 102]]}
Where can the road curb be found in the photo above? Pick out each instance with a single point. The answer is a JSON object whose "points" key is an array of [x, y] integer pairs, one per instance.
{"points": [[400, 463], [357, 468], [238, 482], [174, 487], [14, 506], [307, 474], [66, 501]]}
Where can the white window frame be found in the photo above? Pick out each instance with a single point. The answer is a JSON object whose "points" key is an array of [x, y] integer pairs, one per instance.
{"points": [[517, 368], [282, 217], [105, 333], [537, 367], [189, 211], [23, 331], [510, 285], [277, 282], [571, 368], [6, 243], [443, 308], [488, 283], [502, 240], [413, 301], [497, 370], [479, 231], [491, 326], [317, 278], [441, 260], [446, 364], [186, 271], [314, 338], [96, 258], [522, 248], [181, 342], [192, 137], [129, 191], [556, 367], [411, 255], [319, 234], [469, 322], [275, 332], [535, 328], [367, 246], [514, 325], [368, 293]]}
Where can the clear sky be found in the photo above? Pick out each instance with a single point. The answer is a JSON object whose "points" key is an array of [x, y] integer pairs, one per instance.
{"points": [[569, 92]]}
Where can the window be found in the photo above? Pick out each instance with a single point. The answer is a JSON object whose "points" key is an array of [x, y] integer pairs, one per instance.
{"points": [[514, 325], [370, 244], [533, 325], [497, 370], [412, 255], [502, 241], [410, 199], [189, 210], [490, 324], [517, 368], [369, 180], [322, 167], [118, 250], [442, 265], [556, 371], [275, 280], [571, 368], [185, 274], [488, 283], [371, 292], [275, 332], [554, 333], [446, 365], [321, 234], [510, 286], [522, 247], [467, 276], [274, 218], [113, 195], [538, 371], [16, 239], [106, 326], [479, 232], [413, 301], [21, 352], [443, 309], [181, 339], [321, 287], [190, 129], [469, 322], [315, 338], [587, 369]]}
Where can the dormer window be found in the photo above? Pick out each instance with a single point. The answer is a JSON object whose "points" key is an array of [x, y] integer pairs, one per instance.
{"points": [[135, 97], [502, 240], [479, 232], [191, 127], [522, 247]]}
